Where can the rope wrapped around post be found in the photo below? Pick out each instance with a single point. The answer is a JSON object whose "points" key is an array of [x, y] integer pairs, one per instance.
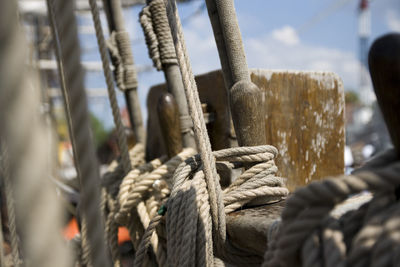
{"points": [[157, 34]]}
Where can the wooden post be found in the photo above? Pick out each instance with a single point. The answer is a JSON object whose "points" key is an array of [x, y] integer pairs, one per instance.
{"points": [[168, 115], [384, 65], [246, 99]]}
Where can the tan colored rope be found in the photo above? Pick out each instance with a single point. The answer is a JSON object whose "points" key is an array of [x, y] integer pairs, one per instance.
{"points": [[157, 34], [122, 144]]}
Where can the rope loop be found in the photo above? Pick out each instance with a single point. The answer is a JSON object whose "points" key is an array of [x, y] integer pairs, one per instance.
{"points": [[154, 21], [122, 59]]}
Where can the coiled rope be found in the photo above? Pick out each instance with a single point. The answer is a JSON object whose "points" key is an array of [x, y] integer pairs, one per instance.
{"points": [[196, 191], [370, 236]]}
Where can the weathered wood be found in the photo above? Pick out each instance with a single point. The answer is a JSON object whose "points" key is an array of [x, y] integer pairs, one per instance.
{"points": [[168, 116], [246, 102], [384, 64], [249, 228], [304, 119]]}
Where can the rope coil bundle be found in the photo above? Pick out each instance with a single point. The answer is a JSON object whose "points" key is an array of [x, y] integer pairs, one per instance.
{"points": [[119, 46], [157, 34], [369, 236]]}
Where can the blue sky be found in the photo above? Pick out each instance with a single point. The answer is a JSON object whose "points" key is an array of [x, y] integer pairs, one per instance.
{"points": [[277, 34]]}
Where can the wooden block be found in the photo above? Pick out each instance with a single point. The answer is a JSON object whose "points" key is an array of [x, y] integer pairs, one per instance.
{"points": [[304, 119]]}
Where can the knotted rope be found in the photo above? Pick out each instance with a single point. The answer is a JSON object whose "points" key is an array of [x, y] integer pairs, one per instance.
{"points": [[188, 220], [119, 46], [157, 34], [134, 200], [310, 236]]}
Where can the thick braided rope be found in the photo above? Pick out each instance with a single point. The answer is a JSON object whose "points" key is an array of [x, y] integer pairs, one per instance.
{"points": [[199, 127], [9, 204], [260, 183], [308, 206], [119, 46], [68, 55], [154, 21], [22, 130], [132, 192], [145, 243], [123, 147]]}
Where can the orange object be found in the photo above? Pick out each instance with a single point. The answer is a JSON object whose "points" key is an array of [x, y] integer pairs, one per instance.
{"points": [[72, 229]]}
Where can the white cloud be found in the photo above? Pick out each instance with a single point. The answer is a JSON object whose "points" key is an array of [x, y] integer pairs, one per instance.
{"points": [[286, 35], [393, 21], [268, 52]]}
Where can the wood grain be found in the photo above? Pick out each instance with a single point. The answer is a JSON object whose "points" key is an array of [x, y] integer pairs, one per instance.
{"points": [[304, 119]]}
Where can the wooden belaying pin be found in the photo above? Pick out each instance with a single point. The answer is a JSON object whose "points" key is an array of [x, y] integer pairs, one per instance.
{"points": [[168, 115], [384, 65]]}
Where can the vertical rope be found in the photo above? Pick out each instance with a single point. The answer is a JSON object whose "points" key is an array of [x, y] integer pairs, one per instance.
{"points": [[199, 127], [110, 86], [68, 54], [10, 205], [21, 128]]}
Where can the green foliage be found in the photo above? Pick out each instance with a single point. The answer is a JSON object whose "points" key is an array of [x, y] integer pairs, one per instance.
{"points": [[351, 97], [100, 134]]}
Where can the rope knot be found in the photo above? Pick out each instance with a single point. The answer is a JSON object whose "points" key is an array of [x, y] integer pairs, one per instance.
{"points": [[122, 59]]}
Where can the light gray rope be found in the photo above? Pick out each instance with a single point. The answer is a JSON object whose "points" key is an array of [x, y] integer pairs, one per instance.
{"points": [[110, 87], [22, 129], [10, 204], [67, 51]]}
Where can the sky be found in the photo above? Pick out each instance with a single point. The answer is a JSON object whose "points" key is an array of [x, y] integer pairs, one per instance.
{"points": [[277, 34]]}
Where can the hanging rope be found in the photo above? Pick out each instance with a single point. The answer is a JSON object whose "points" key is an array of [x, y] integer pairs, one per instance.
{"points": [[157, 34], [10, 205], [65, 34], [110, 87], [22, 130]]}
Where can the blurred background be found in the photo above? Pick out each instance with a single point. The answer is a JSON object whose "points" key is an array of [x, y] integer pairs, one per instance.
{"points": [[326, 35]]}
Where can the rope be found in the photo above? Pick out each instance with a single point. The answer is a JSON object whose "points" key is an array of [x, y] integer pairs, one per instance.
{"points": [[309, 235], [10, 205], [23, 132], [157, 34], [119, 46], [199, 127], [64, 28], [110, 85]]}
